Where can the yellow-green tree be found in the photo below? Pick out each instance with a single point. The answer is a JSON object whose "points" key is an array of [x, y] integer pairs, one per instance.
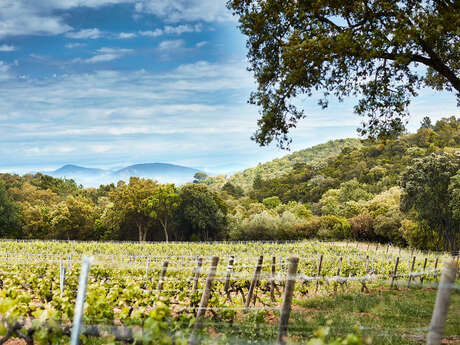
{"points": [[130, 201], [162, 205]]}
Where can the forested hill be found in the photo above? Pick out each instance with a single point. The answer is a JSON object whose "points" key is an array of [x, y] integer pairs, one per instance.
{"points": [[375, 166], [282, 166]]}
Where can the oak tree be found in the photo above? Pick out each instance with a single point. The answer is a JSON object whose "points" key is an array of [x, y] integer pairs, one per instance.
{"points": [[382, 51]]}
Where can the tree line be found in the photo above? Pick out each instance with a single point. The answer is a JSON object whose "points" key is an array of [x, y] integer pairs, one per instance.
{"points": [[404, 190]]}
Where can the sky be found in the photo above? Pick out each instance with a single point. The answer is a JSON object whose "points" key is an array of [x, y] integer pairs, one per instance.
{"points": [[109, 83]]}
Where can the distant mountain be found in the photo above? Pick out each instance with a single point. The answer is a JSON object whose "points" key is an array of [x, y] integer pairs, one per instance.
{"points": [[93, 177], [75, 169], [156, 168]]}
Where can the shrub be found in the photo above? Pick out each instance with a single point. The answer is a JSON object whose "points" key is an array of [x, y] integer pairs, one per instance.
{"points": [[271, 202], [419, 235], [387, 226], [332, 227], [362, 226]]}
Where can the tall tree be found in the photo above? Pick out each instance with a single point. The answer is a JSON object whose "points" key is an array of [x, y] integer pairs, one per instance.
{"points": [[73, 219], [203, 210], [162, 205], [131, 201], [9, 215], [374, 49], [426, 190]]}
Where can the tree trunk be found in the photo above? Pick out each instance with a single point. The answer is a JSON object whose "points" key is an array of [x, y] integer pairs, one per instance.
{"points": [[139, 228], [165, 228]]}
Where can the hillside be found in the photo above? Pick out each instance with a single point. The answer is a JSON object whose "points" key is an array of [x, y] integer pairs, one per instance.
{"points": [[375, 165], [282, 166]]}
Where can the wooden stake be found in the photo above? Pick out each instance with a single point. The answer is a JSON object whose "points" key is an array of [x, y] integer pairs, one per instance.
{"points": [[287, 300], [272, 279], [424, 266], [255, 279], [435, 268], [441, 306], [229, 272], [204, 300], [395, 272], [363, 283], [411, 271], [196, 275], [339, 267], [319, 271], [162, 276], [62, 270]]}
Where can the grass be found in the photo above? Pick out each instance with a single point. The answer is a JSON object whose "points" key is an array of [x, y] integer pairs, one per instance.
{"points": [[389, 316]]}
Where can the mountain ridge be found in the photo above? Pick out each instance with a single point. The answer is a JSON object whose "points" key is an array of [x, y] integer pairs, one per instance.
{"points": [[92, 177]]}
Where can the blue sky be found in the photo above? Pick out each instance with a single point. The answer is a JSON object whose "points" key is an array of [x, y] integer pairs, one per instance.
{"points": [[107, 83]]}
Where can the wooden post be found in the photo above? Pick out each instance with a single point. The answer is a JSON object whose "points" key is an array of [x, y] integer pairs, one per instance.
{"points": [[62, 270], [363, 283], [204, 300], [147, 267], [435, 268], [319, 272], [255, 279], [441, 306], [162, 277], [80, 302], [229, 272], [339, 267], [287, 300], [272, 280], [395, 272], [424, 267], [411, 271], [197, 274]]}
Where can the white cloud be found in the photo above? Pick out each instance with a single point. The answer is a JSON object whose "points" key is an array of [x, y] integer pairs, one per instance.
{"points": [[67, 4], [196, 112], [101, 148], [105, 54], [21, 17], [186, 10], [172, 30], [75, 45], [168, 45], [7, 48], [85, 34], [180, 29], [201, 44], [4, 71], [39, 17], [126, 35], [155, 33]]}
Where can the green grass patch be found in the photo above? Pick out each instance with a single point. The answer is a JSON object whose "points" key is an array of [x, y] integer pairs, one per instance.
{"points": [[388, 316]]}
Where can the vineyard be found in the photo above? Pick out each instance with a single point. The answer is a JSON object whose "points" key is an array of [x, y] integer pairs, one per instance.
{"points": [[210, 293]]}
